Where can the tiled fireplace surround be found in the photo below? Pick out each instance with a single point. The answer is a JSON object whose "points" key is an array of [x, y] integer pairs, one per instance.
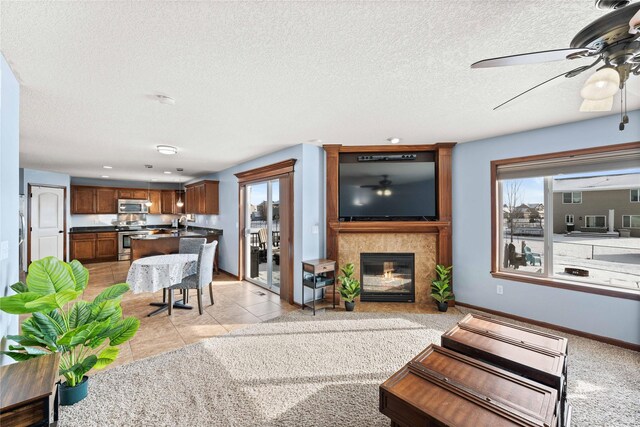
{"points": [[423, 245]]}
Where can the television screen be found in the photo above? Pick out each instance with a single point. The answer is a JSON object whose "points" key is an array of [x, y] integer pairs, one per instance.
{"points": [[387, 186]]}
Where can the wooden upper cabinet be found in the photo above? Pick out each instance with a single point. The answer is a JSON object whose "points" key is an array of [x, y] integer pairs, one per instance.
{"points": [[125, 193], [106, 200], [83, 200], [168, 201], [133, 193], [202, 198], [156, 202], [141, 194]]}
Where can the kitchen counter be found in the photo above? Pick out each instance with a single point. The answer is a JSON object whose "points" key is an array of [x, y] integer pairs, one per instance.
{"points": [[168, 242], [160, 228]]}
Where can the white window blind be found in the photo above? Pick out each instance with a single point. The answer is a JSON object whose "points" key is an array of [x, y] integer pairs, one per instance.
{"points": [[624, 159]]}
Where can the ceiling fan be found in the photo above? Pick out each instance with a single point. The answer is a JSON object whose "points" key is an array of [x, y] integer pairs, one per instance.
{"points": [[382, 189], [613, 40]]}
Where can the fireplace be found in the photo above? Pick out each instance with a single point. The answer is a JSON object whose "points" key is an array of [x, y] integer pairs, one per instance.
{"points": [[387, 277]]}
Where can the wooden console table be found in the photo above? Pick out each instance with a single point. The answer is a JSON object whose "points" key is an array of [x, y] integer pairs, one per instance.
{"points": [[29, 392]]}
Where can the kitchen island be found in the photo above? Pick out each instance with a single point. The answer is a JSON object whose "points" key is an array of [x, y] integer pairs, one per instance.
{"points": [[167, 241]]}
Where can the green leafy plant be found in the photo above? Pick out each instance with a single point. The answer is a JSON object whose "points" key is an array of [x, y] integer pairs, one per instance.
{"points": [[349, 285], [85, 333], [441, 287]]}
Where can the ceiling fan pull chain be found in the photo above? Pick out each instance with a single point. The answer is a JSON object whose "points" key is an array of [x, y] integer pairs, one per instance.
{"points": [[621, 125], [625, 118]]}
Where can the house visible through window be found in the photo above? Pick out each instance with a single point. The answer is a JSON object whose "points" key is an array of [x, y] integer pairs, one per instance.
{"points": [[574, 197], [591, 234], [595, 221], [631, 221]]}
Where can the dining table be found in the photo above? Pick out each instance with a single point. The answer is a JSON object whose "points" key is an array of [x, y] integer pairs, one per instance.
{"points": [[159, 272]]}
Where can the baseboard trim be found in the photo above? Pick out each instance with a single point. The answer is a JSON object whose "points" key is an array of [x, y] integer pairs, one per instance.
{"points": [[235, 276], [606, 340]]}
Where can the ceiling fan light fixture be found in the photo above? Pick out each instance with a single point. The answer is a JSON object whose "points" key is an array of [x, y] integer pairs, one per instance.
{"points": [[594, 105], [602, 84]]}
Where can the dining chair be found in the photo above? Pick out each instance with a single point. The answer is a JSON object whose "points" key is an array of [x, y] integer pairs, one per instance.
{"points": [[189, 245], [203, 276]]}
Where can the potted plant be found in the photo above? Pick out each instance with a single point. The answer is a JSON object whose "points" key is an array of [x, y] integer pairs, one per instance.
{"points": [[349, 286], [441, 287], [86, 334]]}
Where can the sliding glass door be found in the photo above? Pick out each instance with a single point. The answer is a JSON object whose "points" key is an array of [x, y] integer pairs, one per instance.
{"points": [[262, 240]]}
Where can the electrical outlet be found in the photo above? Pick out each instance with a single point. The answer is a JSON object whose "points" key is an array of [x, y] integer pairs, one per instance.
{"points": [[499, 289]]}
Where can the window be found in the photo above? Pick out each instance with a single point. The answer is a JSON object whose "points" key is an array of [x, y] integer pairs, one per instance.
{"points": [[543, 248], [574, 197], [631, 221], [595, 221], [634, 195]]}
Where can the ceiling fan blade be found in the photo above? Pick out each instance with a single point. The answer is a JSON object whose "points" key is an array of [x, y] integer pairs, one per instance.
{"points": [[567, 74], [533, 57]]}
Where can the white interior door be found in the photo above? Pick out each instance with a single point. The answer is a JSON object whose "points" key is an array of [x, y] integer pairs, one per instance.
{"points": [[47, 222]]}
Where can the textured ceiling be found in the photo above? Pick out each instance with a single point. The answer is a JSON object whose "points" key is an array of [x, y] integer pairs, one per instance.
{"points": [[251, 78]]}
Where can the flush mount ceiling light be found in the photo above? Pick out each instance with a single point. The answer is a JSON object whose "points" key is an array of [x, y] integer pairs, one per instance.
{"points": [[167, 172], [394, 140], [166, 149], [166, 100], [107, 167], [105, 176]]}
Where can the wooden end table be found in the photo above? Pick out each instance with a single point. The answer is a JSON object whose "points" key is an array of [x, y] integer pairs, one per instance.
{"points": [[317, 274]]}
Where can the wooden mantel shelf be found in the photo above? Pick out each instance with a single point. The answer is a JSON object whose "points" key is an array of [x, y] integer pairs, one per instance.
{"points": [[388, 226]]}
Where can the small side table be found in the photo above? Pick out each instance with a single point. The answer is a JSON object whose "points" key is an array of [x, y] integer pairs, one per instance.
{"points": [[317, 274]]}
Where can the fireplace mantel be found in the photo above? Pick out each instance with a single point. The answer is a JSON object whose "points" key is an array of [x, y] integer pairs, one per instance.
{"points": [[441, 228]]}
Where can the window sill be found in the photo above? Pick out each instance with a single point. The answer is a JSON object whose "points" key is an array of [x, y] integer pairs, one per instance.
{"points": [[555, 283]]}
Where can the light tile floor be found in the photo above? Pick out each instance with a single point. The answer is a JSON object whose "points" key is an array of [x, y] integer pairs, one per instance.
{"points": [[237, 305]]}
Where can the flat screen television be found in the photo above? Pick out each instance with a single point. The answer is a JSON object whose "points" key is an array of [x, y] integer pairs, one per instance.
{"points": [[387, 186]]}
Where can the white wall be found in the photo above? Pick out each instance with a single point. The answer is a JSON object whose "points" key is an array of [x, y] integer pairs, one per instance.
{"points": [[308, 208], [606, 316], [9, 192]]}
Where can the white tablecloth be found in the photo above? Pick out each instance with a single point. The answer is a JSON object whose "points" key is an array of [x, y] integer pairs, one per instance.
{"points": [[154, 273]]}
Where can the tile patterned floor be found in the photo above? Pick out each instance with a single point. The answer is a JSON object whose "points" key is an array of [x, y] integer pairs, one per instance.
{"points": [[237, 305]]}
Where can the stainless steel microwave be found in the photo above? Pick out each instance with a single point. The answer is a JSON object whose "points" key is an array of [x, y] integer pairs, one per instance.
{"points": [[129, 206]]}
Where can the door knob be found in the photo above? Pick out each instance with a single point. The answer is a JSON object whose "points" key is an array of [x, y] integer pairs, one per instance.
{"points": [[60, 231]]}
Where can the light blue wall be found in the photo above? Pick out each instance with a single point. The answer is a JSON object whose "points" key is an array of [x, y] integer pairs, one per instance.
{"points": [[611, 317], [9, 191], [308, 208], [35, 177]]}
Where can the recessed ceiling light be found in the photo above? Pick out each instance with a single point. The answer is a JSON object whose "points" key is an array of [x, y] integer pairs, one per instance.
{"points": [[166, 149], [105, 176], [167, 172], [164, 99], [107, 167], [394, 140], [154, 179], [315, 141]]}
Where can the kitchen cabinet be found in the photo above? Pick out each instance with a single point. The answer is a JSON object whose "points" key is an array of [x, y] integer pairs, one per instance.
{"points": [[83, 200], [106, 246], [156, 202], [202, 198], [132, 193], [94, 247], [168, 201], [106, 200], [83, 246]]}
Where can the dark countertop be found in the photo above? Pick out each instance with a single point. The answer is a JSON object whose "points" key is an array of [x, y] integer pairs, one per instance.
{"points": [[180, 233], [111, 229]]}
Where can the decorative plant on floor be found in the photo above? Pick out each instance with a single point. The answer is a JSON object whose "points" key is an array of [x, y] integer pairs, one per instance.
{"points": [[86, 334], [441, 287], [349, 286]]}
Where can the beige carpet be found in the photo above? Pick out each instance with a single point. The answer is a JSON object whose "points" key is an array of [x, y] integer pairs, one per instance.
{"points": [[324, 371]]}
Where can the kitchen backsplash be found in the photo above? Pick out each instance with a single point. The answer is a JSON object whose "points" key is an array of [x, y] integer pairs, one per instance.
{"points": [[97, 220]]}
